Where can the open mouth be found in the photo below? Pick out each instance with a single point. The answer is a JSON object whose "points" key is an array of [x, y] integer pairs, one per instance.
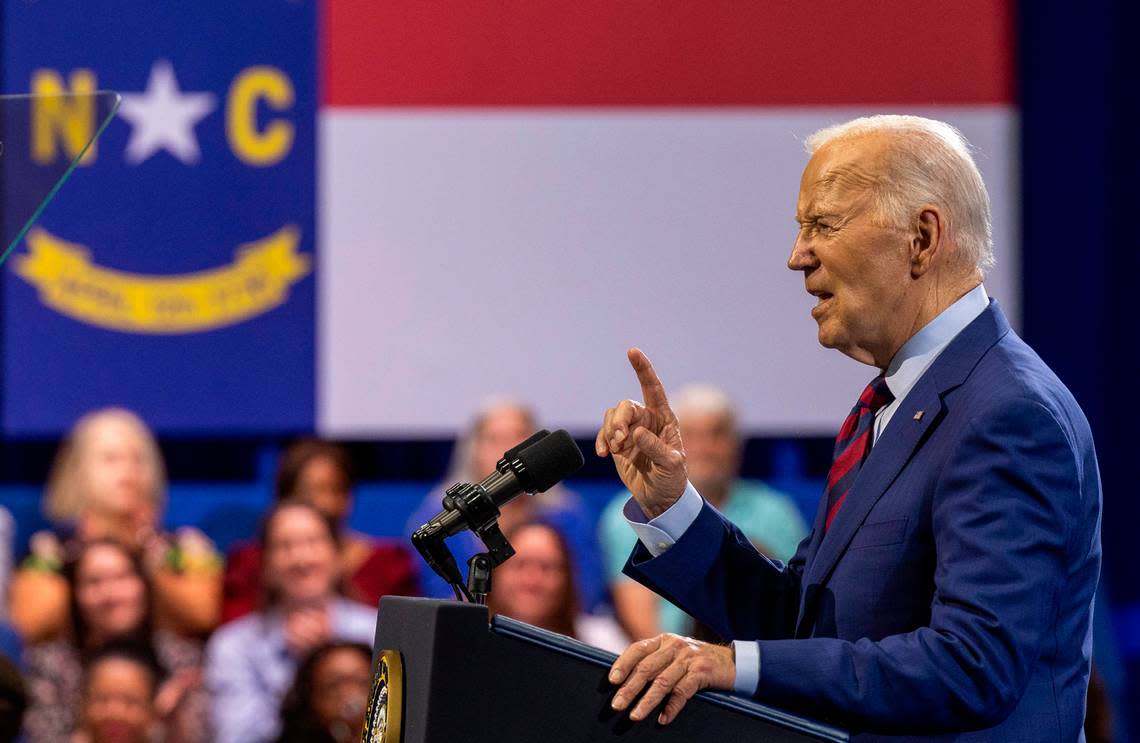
{"points": [[822, 299]]}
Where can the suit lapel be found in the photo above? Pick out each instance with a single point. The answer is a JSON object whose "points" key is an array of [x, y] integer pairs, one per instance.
{"points": [[895, 447], [810, 559]]}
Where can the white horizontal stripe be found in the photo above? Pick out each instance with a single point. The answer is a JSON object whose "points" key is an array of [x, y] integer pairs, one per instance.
{"points": [[466, 253]]}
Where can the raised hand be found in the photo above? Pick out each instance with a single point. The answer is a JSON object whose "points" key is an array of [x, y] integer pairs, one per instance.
{"points": [[305, 629], [645, 442]]}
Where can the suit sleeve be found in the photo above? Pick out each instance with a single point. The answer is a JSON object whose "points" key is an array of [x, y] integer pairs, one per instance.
{"points": [[1001, 515], [715, 574]]}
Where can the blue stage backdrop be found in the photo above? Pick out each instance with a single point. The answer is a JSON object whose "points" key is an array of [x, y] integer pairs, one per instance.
{"points": [[177, 263], [1079, 70]]}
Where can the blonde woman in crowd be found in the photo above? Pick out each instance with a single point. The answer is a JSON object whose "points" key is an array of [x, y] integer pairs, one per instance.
{"points": [[108, 482]]}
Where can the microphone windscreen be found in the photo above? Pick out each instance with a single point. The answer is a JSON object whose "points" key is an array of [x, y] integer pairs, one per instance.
{"points": [[550, 460], [513, 452]]}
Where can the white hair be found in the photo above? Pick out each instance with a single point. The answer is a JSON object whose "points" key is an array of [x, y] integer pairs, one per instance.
{"points": [[703, 399], [930, 163]]}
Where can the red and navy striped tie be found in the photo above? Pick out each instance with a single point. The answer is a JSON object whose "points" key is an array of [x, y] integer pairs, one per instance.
{"points": [[853, 443]]}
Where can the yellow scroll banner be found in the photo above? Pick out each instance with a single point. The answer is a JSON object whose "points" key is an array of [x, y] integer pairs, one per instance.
{"points": [[257, 281]]}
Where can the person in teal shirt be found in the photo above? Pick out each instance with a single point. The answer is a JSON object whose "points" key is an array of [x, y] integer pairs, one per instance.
{"points": [[713, 447]]}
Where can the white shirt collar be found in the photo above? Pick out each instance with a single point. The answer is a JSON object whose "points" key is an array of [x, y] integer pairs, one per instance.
{"points": [[918, 353]]}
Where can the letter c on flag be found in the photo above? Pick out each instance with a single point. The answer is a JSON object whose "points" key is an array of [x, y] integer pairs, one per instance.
{"points": [[259, 147]]}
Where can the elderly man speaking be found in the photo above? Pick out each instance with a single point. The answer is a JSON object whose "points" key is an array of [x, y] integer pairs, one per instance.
{"points": [[946, 589]]}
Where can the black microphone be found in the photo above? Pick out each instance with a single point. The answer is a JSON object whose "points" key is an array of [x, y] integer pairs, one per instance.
{"points": [[511, 454], [534, 468]]}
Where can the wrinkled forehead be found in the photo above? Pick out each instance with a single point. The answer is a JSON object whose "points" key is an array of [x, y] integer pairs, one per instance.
{"points": [[843, 171]]}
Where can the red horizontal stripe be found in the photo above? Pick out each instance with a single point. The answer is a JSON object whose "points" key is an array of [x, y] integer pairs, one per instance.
{"points": [[666, 52]]}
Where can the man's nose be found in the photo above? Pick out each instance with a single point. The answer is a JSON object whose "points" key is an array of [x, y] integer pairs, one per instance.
{"points": [[802, 257]]}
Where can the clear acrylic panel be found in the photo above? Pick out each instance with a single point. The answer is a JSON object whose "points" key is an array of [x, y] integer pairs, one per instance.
{"points": [[42, 139]]}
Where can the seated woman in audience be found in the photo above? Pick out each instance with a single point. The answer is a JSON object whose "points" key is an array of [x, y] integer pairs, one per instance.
{"points": [[250, 662], [119, 703], [327, 700], [536, 586], [108, 481], [318, 472], [497, 427], [110, 602]]}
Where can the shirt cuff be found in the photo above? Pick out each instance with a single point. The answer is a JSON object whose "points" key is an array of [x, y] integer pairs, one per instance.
{"points": [[661, 533], [747, 667]]}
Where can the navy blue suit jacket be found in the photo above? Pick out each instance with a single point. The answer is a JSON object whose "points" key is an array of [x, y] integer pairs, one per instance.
{"points": [[953, 592]]}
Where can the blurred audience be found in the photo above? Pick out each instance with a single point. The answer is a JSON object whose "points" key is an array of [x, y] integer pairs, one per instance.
{"points": [[329, 695], [713, 448], [536, 586], [496, 428], [121, 686], [108, 481], [251, 661], [319, 473], [110, 603]]}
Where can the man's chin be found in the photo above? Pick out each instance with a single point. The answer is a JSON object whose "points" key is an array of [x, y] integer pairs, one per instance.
{"points": [[836, 342], [827, 337]]}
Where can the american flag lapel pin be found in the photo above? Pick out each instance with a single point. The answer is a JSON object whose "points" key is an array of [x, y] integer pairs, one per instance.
{"points": [[918, 415]]}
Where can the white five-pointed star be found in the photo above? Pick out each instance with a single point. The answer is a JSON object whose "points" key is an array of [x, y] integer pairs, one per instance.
{"points": [[164, 117]]}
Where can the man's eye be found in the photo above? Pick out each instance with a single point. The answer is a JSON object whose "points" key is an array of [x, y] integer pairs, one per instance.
{"points": [[823, 227]]}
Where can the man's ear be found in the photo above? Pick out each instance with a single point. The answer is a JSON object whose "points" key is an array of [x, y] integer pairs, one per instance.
{"points": [[929, 231]]}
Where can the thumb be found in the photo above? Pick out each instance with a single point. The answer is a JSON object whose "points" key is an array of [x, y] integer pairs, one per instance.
{"points": [[656, 450]]}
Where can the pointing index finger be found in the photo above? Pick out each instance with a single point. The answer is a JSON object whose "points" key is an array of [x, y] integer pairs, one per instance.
{"points": [[652, 391]]}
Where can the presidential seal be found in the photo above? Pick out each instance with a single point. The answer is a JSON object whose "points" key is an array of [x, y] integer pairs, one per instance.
{"points": [[382, 723]]}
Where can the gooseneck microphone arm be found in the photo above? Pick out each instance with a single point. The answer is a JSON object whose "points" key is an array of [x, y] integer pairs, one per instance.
{"points": [[429, 542]]}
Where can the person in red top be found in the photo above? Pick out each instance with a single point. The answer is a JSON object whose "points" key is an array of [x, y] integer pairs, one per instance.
{"points": [[319, 472]]}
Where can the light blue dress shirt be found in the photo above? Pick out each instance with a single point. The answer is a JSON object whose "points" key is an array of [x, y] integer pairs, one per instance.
{"points": [[249, 668], [769, 518], [904, 371]]}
